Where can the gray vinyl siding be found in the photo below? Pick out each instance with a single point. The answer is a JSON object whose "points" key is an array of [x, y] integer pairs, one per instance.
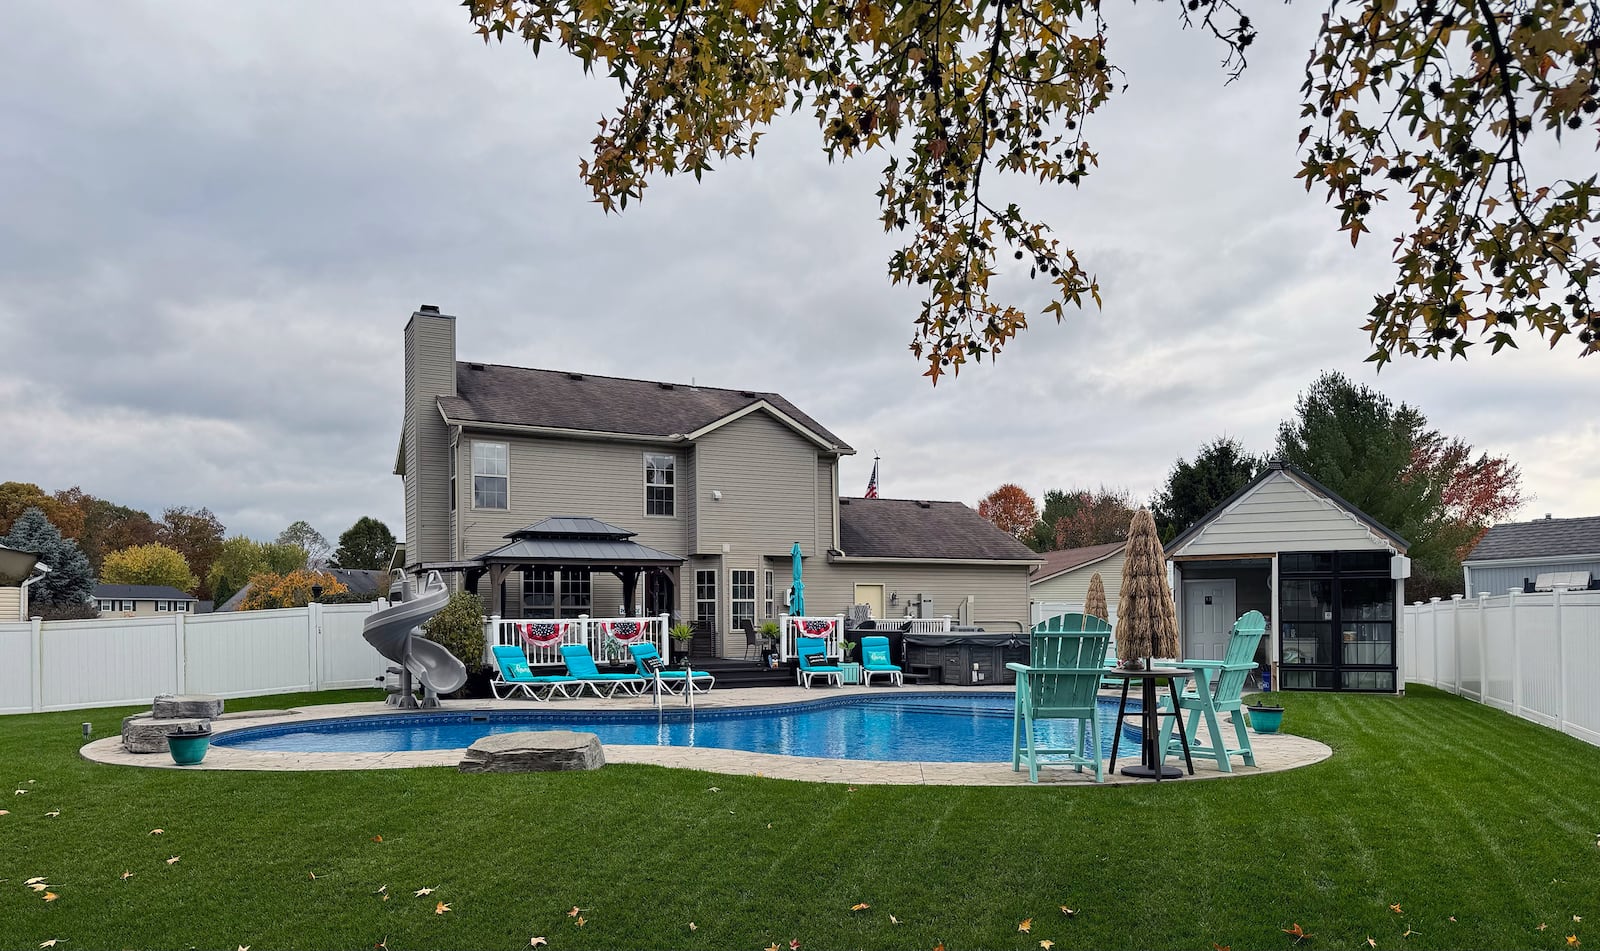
{"points": [[11, 604], [1498, 579], [1283, 515], [1001, 591], [603, 480], [1073, 585], [767, 476], [430, 373]]}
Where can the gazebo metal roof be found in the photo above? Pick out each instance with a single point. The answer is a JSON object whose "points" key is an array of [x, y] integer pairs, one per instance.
{"points": [[577, 540]]}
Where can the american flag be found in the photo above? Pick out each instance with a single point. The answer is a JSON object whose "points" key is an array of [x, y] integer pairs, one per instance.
{"points": [[872, 483]]}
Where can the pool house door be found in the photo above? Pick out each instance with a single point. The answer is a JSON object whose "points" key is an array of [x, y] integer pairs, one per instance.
{"points": [[1208, 616]]}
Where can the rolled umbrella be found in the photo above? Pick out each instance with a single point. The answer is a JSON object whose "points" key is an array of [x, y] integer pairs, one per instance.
{"points": [[797, 600], [1094, 603], [1147, 620]]}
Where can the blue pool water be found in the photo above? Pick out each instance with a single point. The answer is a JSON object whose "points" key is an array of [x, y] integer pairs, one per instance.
{"points": [[949, 728]]}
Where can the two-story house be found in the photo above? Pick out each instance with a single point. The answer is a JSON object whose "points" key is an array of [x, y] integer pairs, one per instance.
{"points": [[579, 494]]}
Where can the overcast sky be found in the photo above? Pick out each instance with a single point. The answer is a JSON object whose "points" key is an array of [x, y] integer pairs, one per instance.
{"points": [[217, 218]]}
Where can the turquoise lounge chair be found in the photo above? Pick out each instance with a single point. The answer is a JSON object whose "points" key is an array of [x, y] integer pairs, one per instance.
{"points": [[875, 662], [513, 674], [672, 681], [1218, 693], [806, 648], [580, 665], [1062, 684]]}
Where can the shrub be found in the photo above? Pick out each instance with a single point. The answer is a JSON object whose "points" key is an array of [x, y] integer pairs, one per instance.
{"points": [[458, 628], [63, 612], [293, 590]]}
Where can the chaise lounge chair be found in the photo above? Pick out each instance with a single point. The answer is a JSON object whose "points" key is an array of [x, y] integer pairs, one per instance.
{"points": [[513, 675], [581, 666], [672, 681], [875, 662], [807, 648]]}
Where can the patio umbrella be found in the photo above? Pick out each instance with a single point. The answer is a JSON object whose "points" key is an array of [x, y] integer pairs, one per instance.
{"points": [[1147, 621], [1094, 603], [797, 600]]}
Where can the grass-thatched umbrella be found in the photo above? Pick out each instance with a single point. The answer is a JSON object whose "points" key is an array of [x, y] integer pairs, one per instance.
{"points": [[1094, 603], [1147, 621]]}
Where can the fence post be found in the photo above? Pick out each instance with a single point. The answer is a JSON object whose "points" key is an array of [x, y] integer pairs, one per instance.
{"points": [[1561, 659], [180, 655], [314, 641], [491, 635], [783, 638], [1433, 617], [38, 663], [1516, 653], [1455, 636], [1483, 649], [661, 638]]}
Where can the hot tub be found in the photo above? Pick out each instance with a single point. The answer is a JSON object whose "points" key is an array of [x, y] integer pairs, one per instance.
{"points": [[967, 658]]}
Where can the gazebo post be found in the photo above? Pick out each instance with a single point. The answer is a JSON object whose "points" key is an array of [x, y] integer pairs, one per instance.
{"points": [[630, 584]]}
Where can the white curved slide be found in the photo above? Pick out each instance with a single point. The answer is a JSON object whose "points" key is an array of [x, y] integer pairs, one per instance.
{"points": [[395, 632]]}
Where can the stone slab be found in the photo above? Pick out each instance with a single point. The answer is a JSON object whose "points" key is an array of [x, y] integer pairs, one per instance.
{"points": [[149, 734], [540, 751], [254, 714], [170, 706]]}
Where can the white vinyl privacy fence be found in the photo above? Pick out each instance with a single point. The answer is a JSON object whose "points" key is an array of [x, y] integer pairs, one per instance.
{"points": [[66, 665], [1533, 655]]}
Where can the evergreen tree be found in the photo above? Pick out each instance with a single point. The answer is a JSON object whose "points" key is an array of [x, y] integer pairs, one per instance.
{"points": [[366, 544], [1193, 489], [70, 580]]}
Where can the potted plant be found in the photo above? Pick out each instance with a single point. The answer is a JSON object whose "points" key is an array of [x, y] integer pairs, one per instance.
{"points": [[847, 649], [681, 635], [188, 747], [616, 652], [769, 632], [1265, 716]]}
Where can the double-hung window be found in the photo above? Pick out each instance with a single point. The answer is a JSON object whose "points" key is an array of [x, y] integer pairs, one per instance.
{"points": [[769, 613], [660, 479], [162, 607], [705, 599], [491, 475], [742, 595]]}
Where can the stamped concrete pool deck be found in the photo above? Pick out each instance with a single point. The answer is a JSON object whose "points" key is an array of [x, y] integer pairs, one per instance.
{"points": [[1274, 753]]}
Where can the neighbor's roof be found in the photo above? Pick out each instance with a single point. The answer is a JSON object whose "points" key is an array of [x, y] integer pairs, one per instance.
{"points": [[1299, 475], [904, 528], [360, 580], [140, 592], [1066, 559], [1544, 538], [559, 399]]}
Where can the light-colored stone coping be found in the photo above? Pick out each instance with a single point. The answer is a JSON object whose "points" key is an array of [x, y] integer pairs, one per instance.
{"points": [[1274, 752]]}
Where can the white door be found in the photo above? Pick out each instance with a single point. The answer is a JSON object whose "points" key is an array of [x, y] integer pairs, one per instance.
{"points": [[1208, 616], [872, 596]]}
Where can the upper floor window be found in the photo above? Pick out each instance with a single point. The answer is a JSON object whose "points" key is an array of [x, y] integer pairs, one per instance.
{"points": [[491, 475], [659, 480]]}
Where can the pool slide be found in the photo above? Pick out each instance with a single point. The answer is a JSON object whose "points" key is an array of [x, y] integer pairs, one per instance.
{"points": [[395, 632]]}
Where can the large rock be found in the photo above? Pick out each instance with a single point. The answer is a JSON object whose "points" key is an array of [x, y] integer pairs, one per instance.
{"points": [[149, 734], [169, 706], [533, 752]]}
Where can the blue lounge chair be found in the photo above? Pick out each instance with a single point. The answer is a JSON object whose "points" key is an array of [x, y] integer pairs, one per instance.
{"points": [[806, 648], [672, 681], [1062, 683], [875, 662], [513, 674], [580, 665]]}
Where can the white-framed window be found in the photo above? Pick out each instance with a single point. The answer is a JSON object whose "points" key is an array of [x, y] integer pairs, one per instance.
{"points": [[539, 593], [768, 598], [455, 467], [491, 475], [660, 480], [161, 607], [742, 596], [577, 595], [548, 593], [705, 598], [182, 607]]}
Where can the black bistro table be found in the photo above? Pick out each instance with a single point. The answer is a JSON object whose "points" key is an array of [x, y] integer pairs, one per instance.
{"points": [[1150, 766]]}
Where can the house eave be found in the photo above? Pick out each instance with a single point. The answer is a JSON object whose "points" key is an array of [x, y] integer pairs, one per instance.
{"points": [[1529, 560], [560, 432], [782, 417], [1086, 564], [886, 560]]}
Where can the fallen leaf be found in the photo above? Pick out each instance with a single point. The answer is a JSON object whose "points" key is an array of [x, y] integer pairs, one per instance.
{"points": [[1572, 941], [377, 838], [244, 947], [1408, 933], [1577, 917], [939, 946], [383, 945], [7, 812], [893, 920], [51, 943], [421, 892], [574, 912], [771, 947], [1371, 943], [440, 908], [313, 875], [860, 906], [537, 942], [714, 789], [22, 792], [1396, 909], [769, 825], [174, 860], [34, 881], [382, 890], [51, 896], [156, 831], [52, 813], [1541, 927], [38, 886], [693, 926], [1069, 912], [1047, 944], [794, 944], [1026, 925], [579, 921], [126, 875], [1452, 917], [32, 781], [850, 789], [1221, 947], [1299, 934]]}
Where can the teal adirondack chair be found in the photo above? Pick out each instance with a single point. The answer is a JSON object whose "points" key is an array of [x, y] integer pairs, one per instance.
{"points": [[1218, 693], [1062, 683], [1074, 622]]}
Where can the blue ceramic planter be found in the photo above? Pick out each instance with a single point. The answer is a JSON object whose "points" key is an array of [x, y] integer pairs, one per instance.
{"points": [[188, 749], [1266, 720]]}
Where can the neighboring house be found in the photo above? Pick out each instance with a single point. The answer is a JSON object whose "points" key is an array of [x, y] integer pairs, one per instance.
{"points": [[1060, 584], [18, 571], [1329, 579], [140, 600], [1540, 554], [573, 494]]}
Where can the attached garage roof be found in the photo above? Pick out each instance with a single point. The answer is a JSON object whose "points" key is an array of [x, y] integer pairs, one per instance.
{"points": [[1545, 538], [904, 528]]}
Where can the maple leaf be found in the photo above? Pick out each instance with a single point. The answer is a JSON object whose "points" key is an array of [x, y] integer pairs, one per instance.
{"points": [[440, 908], [382, 945], [860, 906], [1408, 933], [421, 892], [51, 896], [1069, 912], [126, 875], [714, 789], [537, 941], [174, 860], [382, 890], [1047, 944], [1299, 934], [1221, 947], [1542, 926], [574, 912], [693, 926], [1572, 941], [579, 921], [794, 944], [1371, 943], [377, 838], [939, 946], [771, 947], [1396, 909], [51, 943], [52, 813], [34, 881], [1577, 917], [156, 832], [1026, 925], [893, 920]]}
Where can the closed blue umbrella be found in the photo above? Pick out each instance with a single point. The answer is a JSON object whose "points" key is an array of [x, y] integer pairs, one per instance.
{"points": [[797, 600]]}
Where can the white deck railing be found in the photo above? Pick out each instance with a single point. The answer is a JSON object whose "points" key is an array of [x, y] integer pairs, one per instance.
{"points": [[791, 626], [913, 625], [607, 638]]}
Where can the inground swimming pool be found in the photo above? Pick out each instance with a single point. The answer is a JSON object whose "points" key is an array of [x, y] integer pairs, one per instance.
{"points": [[946, 728]]}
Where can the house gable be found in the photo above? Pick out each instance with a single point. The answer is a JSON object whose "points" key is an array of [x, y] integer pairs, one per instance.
{"points": [[1283, 509]]}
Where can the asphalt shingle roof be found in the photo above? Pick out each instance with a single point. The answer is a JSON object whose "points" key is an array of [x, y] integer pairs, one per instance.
{"points": [[564, 400], [902, 528], [140, 592], [1544, 538], [1066, 559]]}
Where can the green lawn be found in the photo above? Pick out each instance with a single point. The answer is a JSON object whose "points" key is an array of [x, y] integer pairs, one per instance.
{"points": [[1443, 807]]}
